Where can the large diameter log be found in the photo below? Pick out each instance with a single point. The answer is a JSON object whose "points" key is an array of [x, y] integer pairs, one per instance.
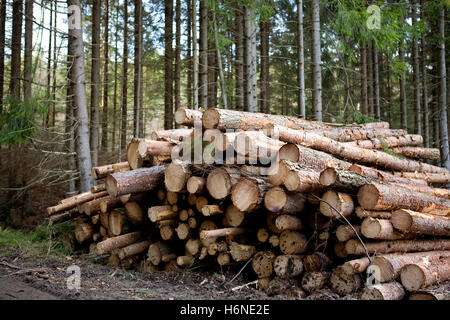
{"points": [[220, 181], [426, 273], [84, 232], [389, 142], [387, 267], [104, 171], [384, 291], [279, 201], [110, 244], [263, 263], [187, 117], [344, 283], [287, 222], [378, 196], [241, 252], [135, 181], [177, 175], [303, 180], [292, 242], [437, 178], [353, 153], [288, 266], [342, 202], [171, 135], [418, 153], [248, 193], [133, 249], [354, 247], [345, 232], [385, 176], [74, 201], [380, 229], [420, 223], [343, 180]]}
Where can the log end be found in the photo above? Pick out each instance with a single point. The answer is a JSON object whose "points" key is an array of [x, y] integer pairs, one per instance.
{"points": [[275, 199], [289, 152], [218, 184], [328, 177], [412, 277], [111, 186], [211, 118], [245, 194], [368, 196], [401, 220]]}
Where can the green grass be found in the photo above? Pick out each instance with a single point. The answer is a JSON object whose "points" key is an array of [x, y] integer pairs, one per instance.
{"points": [[43, 241]]}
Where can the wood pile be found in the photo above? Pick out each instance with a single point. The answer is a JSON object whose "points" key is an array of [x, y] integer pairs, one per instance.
{"points": [[306, 205]]}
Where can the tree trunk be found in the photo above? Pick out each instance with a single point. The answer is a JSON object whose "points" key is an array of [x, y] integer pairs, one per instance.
{"points": [[138, 180], [370, 79], [104, 139], [177, 71], [264, 69], [363, 72], [251, 67], [403, 106], [416, 72], [138, 37], [385, 291], [2, 51], [239, 58], [16, 47], [80, 101], [423, 70], [116, 69], [316, 61], [376, 82], [301, 61], [420, 223], [195, 93], [28, 60], [95, 81], [168, 64], [219, 63], [49, 61], [124, 114], [203, 72]]}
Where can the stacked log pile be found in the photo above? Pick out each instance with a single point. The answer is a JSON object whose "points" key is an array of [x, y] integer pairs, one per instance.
{"points": [[306, 205]]}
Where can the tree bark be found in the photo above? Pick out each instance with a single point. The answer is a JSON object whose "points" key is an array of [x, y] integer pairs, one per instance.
{"points": [[264, 69], [316, 61], [279, 201], [363, 73], [416, 72], [168, 64], [2, 51], [28, 60], [203, 70], [138, 66], [301, 61], [424, 274], [263, 263], [385, 291], [194, 55], [403, 106], [118, 242], [177, 71], [95, 81], [239, 58], [420, 223], [423, 70], [16, 48], [138, 180], [104, 138], [124, 115], [251, 65]]}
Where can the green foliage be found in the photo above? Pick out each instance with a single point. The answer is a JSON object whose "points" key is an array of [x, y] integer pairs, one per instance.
{"points": [[18, 122], [360, 118]]}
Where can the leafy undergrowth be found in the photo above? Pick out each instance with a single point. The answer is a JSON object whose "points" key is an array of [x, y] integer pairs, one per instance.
{"points": [[43, 241]]}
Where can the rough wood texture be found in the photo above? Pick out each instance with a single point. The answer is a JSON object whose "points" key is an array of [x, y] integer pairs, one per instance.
{"points": [[420, 223], [157, 250], [303, 180], [177, 175], [380, 229], [84, 232], [340, 201], [385, 291], [288, 266], [118, 242], [248, 193], [75, 201], [356, 266], [135, 181], [208, 234], [344, 283], [279, 201], [104, 171], [389, 142], [171, 135], [425, 273], [160, 213], [437, 178], [287, 222], [292, 242], [316, 261], [361, 213], [220, 181], [133, 249], [186, 117], [345, 232], [263, 263], [354, 247], [385, 176], [343, 180], [418, 153], [313, 281], [195, 185], [240, 252], [134, 213]]}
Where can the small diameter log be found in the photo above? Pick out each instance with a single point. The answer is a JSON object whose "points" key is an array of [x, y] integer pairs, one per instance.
{"points": [[343, 180], [384, 291], [186, 117], [84, 232], [157, 250], [223, 259], [339, 201], [95, 219], [135, 181], [211, 210], [262, 263], [354, 247], [217, 247], [389, 142], [344, 283], [133, 249], [200, 203], [288, 286], [134, 213], [185, 261], [385, 176], [195, 185], [167, 232], [263, 283], [116, 222], [192, 222], [172, 197], [214, 234], [433, 178], [94, 206], [377, 196], [420, 223], [193, 246], [262, 235], [103, 171], [183, 231], [286, 222], [288, 266], [75, 201], [315, 262], [270, 221], [171, 266], [220, 181], [380, 229], [303, 180], [160, 213], [62, 217], [203, 253], [278, 172], [274, 240], [183, 215], [135, 197], [98, 188], [108, 203], [339, 249], [313, 281], [177, 175], [279, 201], [425, 273], [387, 267], [356, 266], [362, 214], [345, 232], [171, 135], [234, 217], [418, 153], [248, 193], [292, 242], [241, 252], [110, 244]]}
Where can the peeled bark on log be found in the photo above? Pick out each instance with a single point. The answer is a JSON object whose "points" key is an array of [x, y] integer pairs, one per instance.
{"points": [[345, 232], [157, 250], [303, 180], [211, 210], [134, 213], [263, 263], [274, 241], [390, 265], [220, 181], [384, 176], [292, 242], [107, 204], [116, 222], [133, 249], [380, 229], [342, 202], [354, 247], [135, 181], [313, 281], [241, 252], [262, 235], [160, 213], [356, 266], [214, 234], [426, 273], [286, 222], [186, 117], [183, 231], [389, 142], [171, 135], [378, 196], [310, 158], [248, 193], [361, 213], [315, 262], [167, 232], [343, 180], [344, 283], [420, 223], [288, 266], [110, 244], [104, 171], [418, 153], [279, 201], [74, 201], [437, 178], [195, 185], [385, 291], [354, 153], [193, 246], [84, 232]]}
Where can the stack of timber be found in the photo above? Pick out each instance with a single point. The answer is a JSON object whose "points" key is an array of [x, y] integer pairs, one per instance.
{"points": [[308, 206]]}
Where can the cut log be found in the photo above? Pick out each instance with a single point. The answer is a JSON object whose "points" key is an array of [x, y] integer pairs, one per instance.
{"points": [[279, 201], [354, 247], [315, 262], [183, 231], [248, 193], [171, 135], [434, 293], [110, 244], [263, 283], [217, 247], [437, 178], [286, 222], [186, 117], [388, 267], [200, 203], [353, 153], [313, 281], [274, 240], [420, 223], [84, 232], [214, 234], [378, 196], [160, 213], [340, 249], [384, 291], [185, 261], [135, 181], [157, 250], [104, 171], [221, 180], [211, 210], [343, 180], [192, 222], [107, 204], [425, 273], [270, 221], [94, 206], [195, 185], [98, 188], [289, 287], [263, 263], [384, 176], [95, 219], [342, 202], [223, 259], [288, 266], [262, 235], [277, 172], [389, 142], [172, 197], [344, 283], [356, 266], [345, 232], [303, 180], [241, 252], [193, 246], [133, 249], [292, 242], [183, 215], [362, 214], [116, 222], [234, 217], [62, 217], [418, 153], [203, 253], [134, 213], [167, 232], [177, 175], [380, 229], [75, 201]]}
